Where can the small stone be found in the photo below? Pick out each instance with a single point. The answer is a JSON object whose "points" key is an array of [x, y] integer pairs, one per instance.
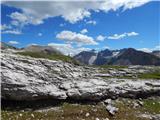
{"points": [[97, 119], [111, 109], [81, 111], [106, 119], [108, 101], [32, 115], [140, 103], [135, 105], [87, 114], [20, 115]]}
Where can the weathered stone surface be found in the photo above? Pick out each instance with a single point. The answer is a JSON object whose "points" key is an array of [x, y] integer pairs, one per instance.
{"points": [[26, 78]]}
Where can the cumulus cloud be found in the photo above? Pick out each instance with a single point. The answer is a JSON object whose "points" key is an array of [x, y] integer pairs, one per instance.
{"points": [[68, 49], [24, 19], [71, 11], [120, 36], [74, 37], [13, 42], [101, 38], [84, 31]]}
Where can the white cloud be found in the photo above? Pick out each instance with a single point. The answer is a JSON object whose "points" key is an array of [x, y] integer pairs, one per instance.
{"points": [[68, 49], [101, 38], [14, 23], [5, 27], [19, 16], [13, 42], [24, 19], [116, 36], [16, 32], [74, 37], [39, 34], [150, 49], [120, 36], [93, 22], [145, 50], [72, 11], [132, 34], [32, 44], [84, 31]]}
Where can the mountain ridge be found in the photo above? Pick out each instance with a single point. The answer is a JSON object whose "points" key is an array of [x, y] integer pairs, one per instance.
{"points": [[126, 56]]}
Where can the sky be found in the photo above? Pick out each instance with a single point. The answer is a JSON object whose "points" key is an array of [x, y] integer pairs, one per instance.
{"points": [[72, 26]]}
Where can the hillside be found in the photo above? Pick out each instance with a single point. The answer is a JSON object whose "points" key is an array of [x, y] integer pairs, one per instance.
{"points": [[6, 46]]}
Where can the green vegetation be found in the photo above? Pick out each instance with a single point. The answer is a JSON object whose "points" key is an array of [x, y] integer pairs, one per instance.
{"points": [[154, 75], [69, 111], [51, 56], [153, 106], [113, 66]]}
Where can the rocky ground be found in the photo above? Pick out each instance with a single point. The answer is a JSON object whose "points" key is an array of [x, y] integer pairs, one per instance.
{"points": [[129, 93]]}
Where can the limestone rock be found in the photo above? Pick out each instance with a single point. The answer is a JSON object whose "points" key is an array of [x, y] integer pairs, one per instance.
{"points": [[27, 78]]}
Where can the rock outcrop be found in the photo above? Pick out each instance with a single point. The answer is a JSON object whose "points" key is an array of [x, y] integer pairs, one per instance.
{"points": [[27, 78]]}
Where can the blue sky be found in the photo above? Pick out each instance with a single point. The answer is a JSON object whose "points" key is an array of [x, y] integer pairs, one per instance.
{"points": [[75, 26]]}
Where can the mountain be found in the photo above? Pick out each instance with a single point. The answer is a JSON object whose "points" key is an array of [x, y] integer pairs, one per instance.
{"points": [[86, 57], [127, 56], [41, 49], [6, 46], [156, 53], [46, 52], [103, 57], [131, 56]]}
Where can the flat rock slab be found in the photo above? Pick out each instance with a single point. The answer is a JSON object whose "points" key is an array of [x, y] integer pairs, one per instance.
{"points": [[27, 78]]}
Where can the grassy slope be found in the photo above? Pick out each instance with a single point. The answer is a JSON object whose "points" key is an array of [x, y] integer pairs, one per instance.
{"points": [[50, 56]]}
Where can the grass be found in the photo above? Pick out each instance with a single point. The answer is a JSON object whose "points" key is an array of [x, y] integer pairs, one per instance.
{"points": [[153, 106], [69, 111], [113, 66], [51, 56], [153, 75]]}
